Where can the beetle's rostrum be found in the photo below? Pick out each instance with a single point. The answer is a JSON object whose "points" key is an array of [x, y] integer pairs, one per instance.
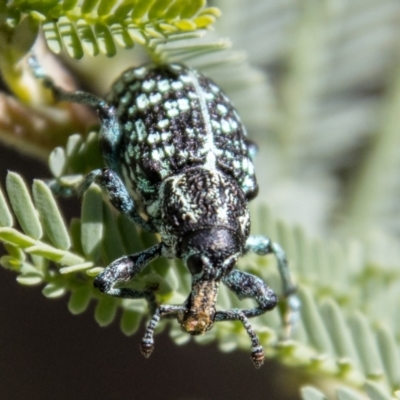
{"points": [[179, 163]]}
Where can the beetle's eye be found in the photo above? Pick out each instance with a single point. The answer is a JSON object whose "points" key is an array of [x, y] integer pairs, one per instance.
{"points": [[195, 264]]}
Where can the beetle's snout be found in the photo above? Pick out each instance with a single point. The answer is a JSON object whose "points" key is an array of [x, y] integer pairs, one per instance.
{"points": [[200, 313], [197, 323]]}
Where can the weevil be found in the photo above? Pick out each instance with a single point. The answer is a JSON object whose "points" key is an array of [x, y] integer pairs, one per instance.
{"points": [[179, 163]]}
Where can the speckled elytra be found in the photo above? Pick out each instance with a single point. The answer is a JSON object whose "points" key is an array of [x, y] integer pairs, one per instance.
{"points": [[179, 163]]}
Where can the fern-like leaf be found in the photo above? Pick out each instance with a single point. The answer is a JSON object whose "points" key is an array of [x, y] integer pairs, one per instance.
{"points": [[100, 27]]}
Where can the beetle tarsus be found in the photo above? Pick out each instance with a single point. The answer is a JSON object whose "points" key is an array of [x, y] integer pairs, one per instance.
{"points": [[258, 357]]}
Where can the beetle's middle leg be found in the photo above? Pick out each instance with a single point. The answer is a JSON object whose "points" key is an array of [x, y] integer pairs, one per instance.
{"points": [[262, 245], [116, 190]]}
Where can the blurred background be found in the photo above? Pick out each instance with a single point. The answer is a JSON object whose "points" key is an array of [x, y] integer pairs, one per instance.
{"points": [[320, 94]]}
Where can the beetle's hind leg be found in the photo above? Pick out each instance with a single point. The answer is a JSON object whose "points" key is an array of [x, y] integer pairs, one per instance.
{"points": [[110, 129], [62, 95]]}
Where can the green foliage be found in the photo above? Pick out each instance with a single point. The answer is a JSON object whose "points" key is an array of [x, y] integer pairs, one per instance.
{"points": [[100, 27]]}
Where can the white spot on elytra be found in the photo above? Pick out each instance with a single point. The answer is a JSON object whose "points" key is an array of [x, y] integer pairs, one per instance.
{"points": [[233, 124], [184, 154], [163, 123], [190, 132], [165, 136], [215, 124], [210, 160], [183, 104], [156, 155], [169, 150], [163, 85], [236, 164], [155, 98], [142, 101], [173, 112], [148, 85], [153, 138], [170, 104], [222, 109], [250, 168], [226, 128], [228, 155], [177, 85], [222, 214], [209, 96]]}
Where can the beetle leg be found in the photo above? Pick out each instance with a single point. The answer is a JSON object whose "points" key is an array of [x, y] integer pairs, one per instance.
{"points": [[110, 129], [262, 245], [110, 135], [249, 286], [116, 190], [60, 94], [147, 344], [125, 269]]}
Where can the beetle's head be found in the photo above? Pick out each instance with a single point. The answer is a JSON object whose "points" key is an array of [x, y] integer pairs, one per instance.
{"points": [[209, 254]]}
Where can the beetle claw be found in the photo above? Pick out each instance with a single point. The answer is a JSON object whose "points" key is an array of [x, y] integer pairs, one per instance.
{"points": [[146, 349]]}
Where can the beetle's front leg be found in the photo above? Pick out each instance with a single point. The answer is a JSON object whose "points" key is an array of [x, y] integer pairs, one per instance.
{"points": [[125, 269], [147, 344], [261, 245], [249, 286]]}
